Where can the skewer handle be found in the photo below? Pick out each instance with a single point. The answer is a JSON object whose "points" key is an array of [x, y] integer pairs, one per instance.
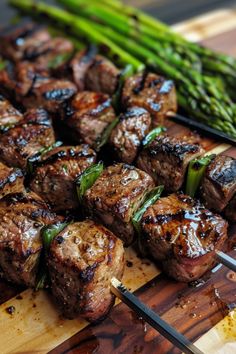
{"points": [[226, 260], [153, 319]]}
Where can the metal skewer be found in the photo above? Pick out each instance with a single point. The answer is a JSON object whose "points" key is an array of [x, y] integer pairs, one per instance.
{"points": [[153, 319], [202, 127], [226, 260]]}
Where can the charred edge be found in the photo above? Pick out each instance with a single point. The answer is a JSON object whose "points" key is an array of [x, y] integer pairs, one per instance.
{"points": [[11, 178]]}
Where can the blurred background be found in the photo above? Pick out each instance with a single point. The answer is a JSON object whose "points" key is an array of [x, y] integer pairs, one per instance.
{"points": [[170, 11]]}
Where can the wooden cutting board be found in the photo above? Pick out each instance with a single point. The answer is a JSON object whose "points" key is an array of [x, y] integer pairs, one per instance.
{"points": [[202, 311]]}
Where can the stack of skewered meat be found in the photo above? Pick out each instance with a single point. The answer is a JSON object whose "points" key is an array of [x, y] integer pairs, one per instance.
{"points": [[58, 91]]}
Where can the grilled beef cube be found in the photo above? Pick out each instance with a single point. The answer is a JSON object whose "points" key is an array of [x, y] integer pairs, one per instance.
{"points": [[49, 93], [8, 114], [115, 196], [219, 183], [54, 178], [102, 76], [77, 67], [184, 235], [11, 180], [18, 79], [15, 40], [88, 114], [48, 53], [127, 136], [152, 92], [82, 260], [25, 139], [230, 210], [166, 159], [22, 216]]}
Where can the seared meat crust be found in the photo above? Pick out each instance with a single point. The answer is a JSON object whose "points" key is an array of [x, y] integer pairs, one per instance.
{"points": [[25, 139], [102, 76], [82, 260], [152, 92], [115, 196], [88, 114], [166, 159], [22, 216], [184, 235], [11, 180], [127, 136], [219, 182], [54, 178]]}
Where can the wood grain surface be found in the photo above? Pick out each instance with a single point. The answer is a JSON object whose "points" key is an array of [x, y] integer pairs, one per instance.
{"points": [[36, 325]]}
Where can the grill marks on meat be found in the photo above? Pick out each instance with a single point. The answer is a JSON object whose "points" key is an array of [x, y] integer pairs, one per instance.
{"points": [[102, 76], [54, 178], [166, 159], [82, 260], [152, 92], [25, 139], [219, 182], [127, 136], [16, 40], [88, 114], [115, 196], [22, 216], [11, 180], [8, 114], [184, 235]]}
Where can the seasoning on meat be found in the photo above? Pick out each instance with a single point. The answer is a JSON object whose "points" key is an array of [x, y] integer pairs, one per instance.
{"points": [[82, 260], [128, 134], [115, 196], [54, 177], [166, 159], [182, 234], [11, 180]]}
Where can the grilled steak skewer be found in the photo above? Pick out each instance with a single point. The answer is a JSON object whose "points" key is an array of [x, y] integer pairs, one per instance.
{"points": [[26, 138], [11, 180], [54, 177], [82, 260], [87, 115], [182, 234], [22, 216], [166, 159], [115, 196]]}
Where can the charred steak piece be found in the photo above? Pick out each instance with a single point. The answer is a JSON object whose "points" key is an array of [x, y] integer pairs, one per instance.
{"points": [[54, 177], [25, 139], [49, 93], [77, 67], [48, 53], [115, 196], [219, 182], [152, 92], [82, 260], [230, 210], [11, 180], [8, 114], [184, 235], [166, 159], [17, 79], [102, 76], [88, 114], [22, 216], [15, 40], [127, 136]]}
